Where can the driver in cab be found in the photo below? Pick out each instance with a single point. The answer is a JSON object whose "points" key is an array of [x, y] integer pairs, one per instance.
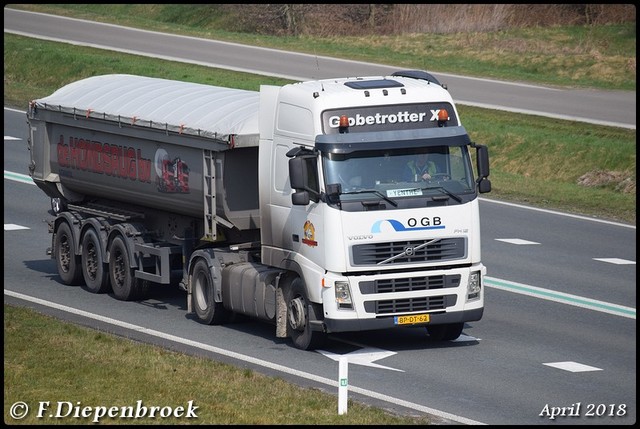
{"points": [[420, 168]]}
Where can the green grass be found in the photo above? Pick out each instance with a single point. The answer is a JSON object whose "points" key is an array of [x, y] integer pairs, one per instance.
{"points": [[49, 360], [599, 56]]}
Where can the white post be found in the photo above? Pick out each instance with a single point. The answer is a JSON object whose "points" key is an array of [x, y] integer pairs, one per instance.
{"points": [[343, 385]]}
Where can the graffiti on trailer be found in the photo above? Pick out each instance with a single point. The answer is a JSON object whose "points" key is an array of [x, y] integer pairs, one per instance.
{"points": [[173, 176], [103, 158]]}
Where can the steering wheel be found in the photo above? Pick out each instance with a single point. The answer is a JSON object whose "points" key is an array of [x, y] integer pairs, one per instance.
{"points": [[440, 176]]}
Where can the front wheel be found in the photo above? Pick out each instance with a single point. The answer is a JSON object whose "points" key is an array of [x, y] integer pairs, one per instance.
{"points": [[208, 311], [447, 332], [298, 319]]}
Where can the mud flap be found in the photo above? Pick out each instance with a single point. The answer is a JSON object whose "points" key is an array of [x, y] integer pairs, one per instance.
{"points": [[281, 314]]}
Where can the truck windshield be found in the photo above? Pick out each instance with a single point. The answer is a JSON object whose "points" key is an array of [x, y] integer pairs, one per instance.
{"points": [[438, 172]]}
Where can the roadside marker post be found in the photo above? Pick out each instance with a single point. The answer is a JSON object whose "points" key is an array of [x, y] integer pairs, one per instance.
{"points": [[343, 385]]}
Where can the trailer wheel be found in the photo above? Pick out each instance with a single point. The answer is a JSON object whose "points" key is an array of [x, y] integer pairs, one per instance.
{"points": [[208, 311], [447, 332], [123, 281], [67, 262], [94, 271], [298, 326]]}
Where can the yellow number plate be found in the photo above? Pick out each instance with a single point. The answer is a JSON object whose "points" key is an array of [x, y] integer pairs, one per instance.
{"points": [[411, 319]]}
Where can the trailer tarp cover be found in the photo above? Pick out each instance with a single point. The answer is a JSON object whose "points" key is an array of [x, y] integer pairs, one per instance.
{"points": [[182, 107]]}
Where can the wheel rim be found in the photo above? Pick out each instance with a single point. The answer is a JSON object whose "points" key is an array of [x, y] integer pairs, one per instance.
{"points": [[297, 314], [118, 268], [200, 291], [92, 261], [64, 254]]}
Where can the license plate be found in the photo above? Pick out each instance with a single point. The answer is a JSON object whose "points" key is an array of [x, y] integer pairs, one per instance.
{"points": [[411, 319]]}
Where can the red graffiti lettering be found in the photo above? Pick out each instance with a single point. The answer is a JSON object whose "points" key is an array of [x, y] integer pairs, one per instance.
{"points": [[103, 158]]}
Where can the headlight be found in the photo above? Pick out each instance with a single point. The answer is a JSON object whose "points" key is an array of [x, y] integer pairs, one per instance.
{"points": [[343, 295], [474, 285]]}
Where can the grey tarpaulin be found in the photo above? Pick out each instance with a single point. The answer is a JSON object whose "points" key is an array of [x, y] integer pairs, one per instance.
{"points": [[183, 107]]}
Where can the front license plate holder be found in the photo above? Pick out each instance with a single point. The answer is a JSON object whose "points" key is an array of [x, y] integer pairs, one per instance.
{"points": [[411, 319]]}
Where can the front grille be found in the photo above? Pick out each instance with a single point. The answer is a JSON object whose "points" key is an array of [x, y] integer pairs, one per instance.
{"points": [[409, 252], [408, 305], [409, 284]]}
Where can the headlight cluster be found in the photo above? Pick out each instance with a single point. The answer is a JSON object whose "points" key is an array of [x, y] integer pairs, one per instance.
{"points": [[343, 295], [474, 286]]}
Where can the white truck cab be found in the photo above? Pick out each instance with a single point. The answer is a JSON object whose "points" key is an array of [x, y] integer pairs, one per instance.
{"points": [[376, 246]]}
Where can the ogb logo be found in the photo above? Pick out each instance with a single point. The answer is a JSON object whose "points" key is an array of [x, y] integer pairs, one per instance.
{"points": [[413, 224]]}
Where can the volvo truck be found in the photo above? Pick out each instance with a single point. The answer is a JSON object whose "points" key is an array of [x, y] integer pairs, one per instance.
{"points": [[290, 204]]}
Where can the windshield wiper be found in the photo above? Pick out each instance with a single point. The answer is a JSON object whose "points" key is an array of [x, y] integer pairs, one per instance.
{"points": [[373, 191], [444, 191]]}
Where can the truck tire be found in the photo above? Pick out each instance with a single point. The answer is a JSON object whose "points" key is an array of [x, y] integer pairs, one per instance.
{"points": [[94, 271], [447, 332], [67, 262], [298, 326], [208, 311], [123, 281]]}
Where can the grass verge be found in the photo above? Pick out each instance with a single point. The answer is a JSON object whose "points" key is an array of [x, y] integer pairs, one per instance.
{"points": [[49, 360]]}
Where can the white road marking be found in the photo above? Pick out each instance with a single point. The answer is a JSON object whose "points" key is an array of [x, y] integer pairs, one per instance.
{"points": [[572, 366], [516, 241], [464, 338], [11, 138], [13, 227], [364, 356], [616, 261], [590, 219]]}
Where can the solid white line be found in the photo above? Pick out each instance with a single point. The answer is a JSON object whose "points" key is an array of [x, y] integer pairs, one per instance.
{"points": [[561, 297], [557, 213], [545, 114], [22, 178], [242, 357]]}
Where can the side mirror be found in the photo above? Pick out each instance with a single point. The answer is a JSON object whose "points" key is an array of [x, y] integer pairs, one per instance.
{"points": [[484, 186], [482, 161], [303, 179], [300, 198], [298, 173]]}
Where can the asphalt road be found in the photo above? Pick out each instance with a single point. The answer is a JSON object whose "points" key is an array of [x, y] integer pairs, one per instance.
{"points": [[550, 299], [617, 108]]}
